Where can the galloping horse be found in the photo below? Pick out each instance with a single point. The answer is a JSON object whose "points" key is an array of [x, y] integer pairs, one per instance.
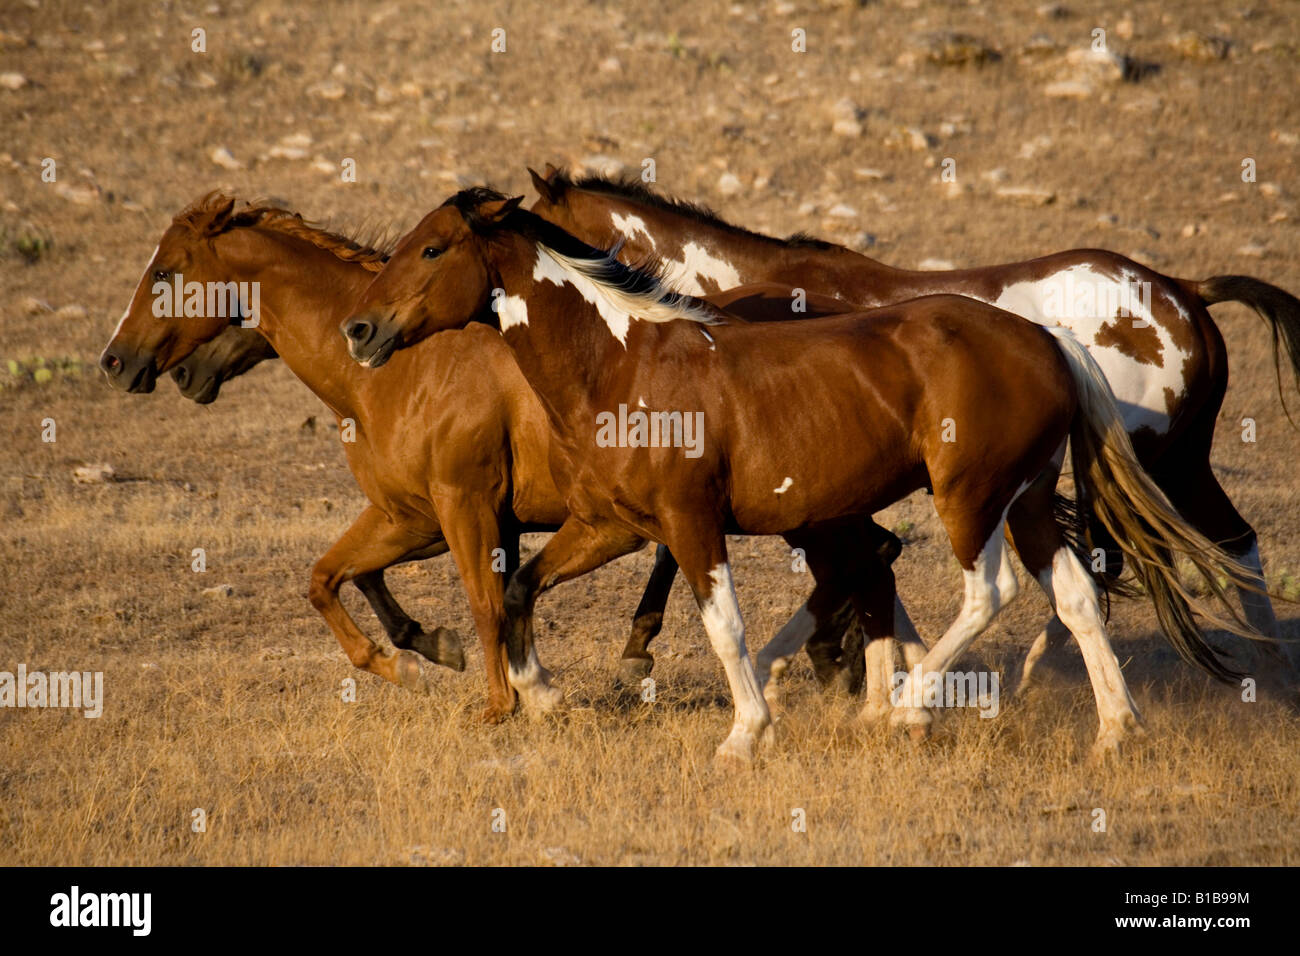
{"points": [[1151, 334], [470, 478], [807, 423]]}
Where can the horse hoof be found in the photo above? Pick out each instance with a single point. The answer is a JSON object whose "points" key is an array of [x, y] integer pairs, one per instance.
{"points": [[496, 713], [411, 674], [545, 699], [915, 722], [631, 671], [734, 754], [874, 712], [444, 646]]}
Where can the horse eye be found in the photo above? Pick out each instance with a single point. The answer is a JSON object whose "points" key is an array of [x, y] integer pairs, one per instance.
{"points": [[160, 275], [431, 253]]}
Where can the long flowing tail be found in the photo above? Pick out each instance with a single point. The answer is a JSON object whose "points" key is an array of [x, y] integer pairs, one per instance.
{"points": [[1279, 308], [1148, 528]]}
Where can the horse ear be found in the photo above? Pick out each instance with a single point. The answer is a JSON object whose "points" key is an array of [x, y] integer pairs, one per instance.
{"points": [[498, 209], [221, 214], [542, 183], [551, 170]]}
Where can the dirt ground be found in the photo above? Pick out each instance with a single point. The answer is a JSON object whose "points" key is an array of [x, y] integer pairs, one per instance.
{"points": [[232, 705]]}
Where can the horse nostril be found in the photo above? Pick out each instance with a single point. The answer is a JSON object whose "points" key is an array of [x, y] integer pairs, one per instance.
{"points": [[110, 363], [359, 332], [182, 376]]}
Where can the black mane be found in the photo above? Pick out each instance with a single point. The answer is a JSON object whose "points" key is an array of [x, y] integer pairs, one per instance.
{"points": [[632, 188], [643, 280]]}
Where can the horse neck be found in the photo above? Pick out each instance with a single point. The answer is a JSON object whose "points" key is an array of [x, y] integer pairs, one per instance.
{"points": [[305, 293], [565, 346], [835, 271]]}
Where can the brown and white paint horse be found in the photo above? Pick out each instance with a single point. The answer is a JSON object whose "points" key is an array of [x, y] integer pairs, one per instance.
{"points": [[1151, 334], [462, 465], [806, 423]]}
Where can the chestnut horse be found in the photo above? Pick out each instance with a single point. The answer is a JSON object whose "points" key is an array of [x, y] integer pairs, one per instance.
{"points": [[474, 489], [803, 424], [1151, 334]]}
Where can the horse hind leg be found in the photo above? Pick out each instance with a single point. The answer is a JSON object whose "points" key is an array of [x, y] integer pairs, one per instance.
{"points": [[1073, 596], [981, 602], [637, 661]]}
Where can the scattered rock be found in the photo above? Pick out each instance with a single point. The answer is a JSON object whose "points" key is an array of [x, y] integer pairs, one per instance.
{"points": [[867, 175], [611, 64], [848, 128], [1068, 90], [1193, 229], [327, 90], [221, 591], [1198, 46], [71, 312], [842, 211], [1038, 46], [729, 185], [846, 118], [12, 81], [909, 137], [949, 48], [83, 194], [30, 305], [224, 158], [935, 265], [1252, 250], [91, 474], [1026, 195]]}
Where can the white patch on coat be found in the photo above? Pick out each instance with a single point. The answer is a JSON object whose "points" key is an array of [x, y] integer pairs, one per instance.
{"points": [[696, 265], [1138, 387], [512, 311], [785, 486], [630, 226], [616, 306]]}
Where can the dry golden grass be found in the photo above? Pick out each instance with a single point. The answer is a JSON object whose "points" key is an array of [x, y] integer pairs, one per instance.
{"points": [[234, 706]]}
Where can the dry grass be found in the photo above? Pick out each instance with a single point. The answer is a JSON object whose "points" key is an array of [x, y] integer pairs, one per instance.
{"points": [[234, 706]]}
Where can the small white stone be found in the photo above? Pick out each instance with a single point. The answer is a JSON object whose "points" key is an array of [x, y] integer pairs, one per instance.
{"points": [[224, 158], [93, 474]]}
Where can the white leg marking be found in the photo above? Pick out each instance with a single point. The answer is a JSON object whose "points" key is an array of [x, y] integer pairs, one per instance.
{"points": [[533, 683], [981, 604], [726, 630], [774, 658], [1074, 596]]}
